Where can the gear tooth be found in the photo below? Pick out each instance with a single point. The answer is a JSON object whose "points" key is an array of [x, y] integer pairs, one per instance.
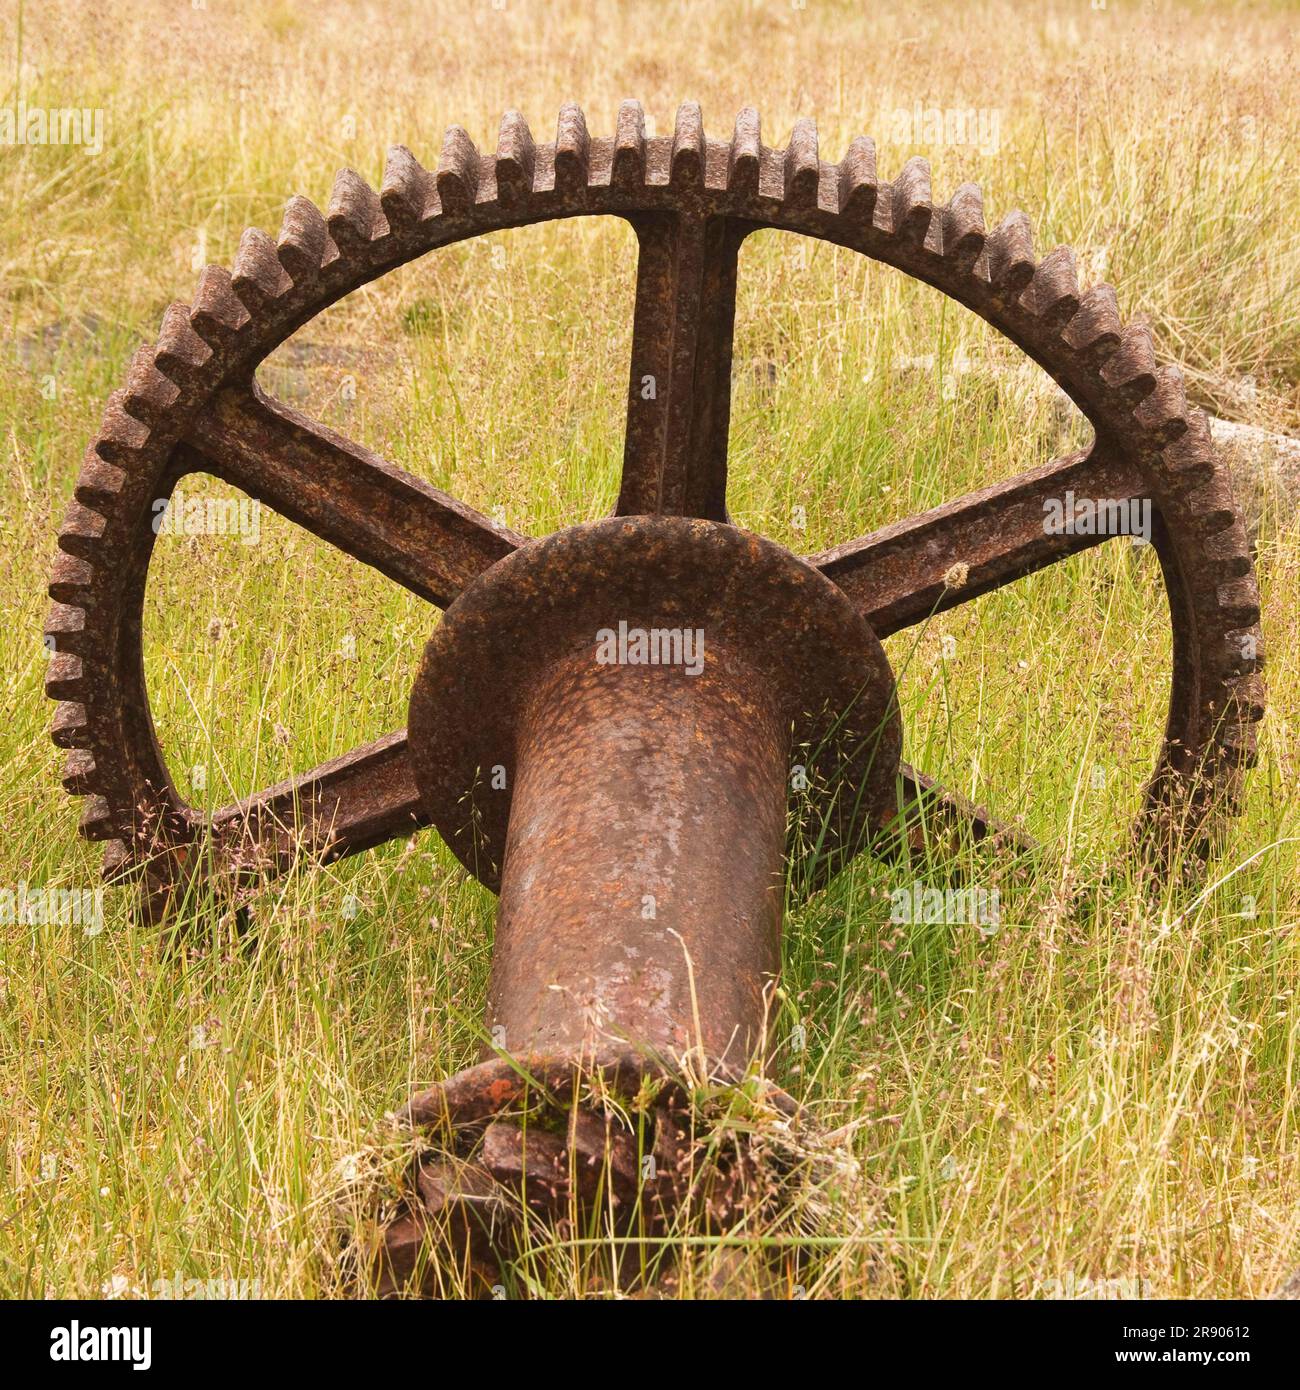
{"points": [[65, 617], [857, 178], [533, 1160], [1229, 551], [64, 674], [1247, 697], [258, 277], [70, 578], [99, 483], [963, 226], [69, 728], [516, 159], [304, 240], [689, 146], [1245, 655], [802, 165], [1253, 708], [1053, 293], [1211, 507], [217, 315], [65, 627], [572, 150], [81, 531], [1195, 445], [603, 1157], [910, 204], [1011, 254], [1210, 523], [1131, 369], [149, 394], [504, 1150], [746, 154], [79, 776], [121, 437], [1095, 329], [406, 192], [118, 861], [1239, 601], [1192, 458], [1238, 745], [181, 353], [1164, 412], [355, 218], [1198, 431], [458, 170], [97, 820], [629, 146]]}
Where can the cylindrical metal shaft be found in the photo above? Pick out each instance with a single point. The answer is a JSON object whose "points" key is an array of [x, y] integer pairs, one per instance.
{"points": [[641, 890], [628, 798]]}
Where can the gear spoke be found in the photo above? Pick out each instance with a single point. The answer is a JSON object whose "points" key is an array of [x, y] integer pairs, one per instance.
{"points": [[346, 805], [340, 491], [675, 450], [906, 571], [925, 804]]}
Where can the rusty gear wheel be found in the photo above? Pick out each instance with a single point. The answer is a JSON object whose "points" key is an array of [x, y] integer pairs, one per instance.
{"points": [[191, 403]]}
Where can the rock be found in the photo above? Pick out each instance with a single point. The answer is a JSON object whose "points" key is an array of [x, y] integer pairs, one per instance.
{"points": [[759, 372], [290, 373], [41, 349], [1265, 471]]}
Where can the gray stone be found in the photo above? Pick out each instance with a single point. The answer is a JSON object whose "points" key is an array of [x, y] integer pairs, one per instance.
{"points": [[1265, 472]]}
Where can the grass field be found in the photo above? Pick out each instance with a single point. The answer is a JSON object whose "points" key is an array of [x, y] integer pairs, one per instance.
{"points": [[1100, 1096]]}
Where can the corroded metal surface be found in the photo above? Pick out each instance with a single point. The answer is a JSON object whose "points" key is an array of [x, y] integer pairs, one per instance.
{"points": [[631, 807], [634, 814], [790, 635], [614, 1141], [190, 403]]}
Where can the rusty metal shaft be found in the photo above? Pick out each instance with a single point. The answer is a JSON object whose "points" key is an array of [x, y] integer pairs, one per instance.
{"points": [[641, 894], [602, 729]]}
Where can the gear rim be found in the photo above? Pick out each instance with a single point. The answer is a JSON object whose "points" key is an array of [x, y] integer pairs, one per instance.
{"points": [[724, 190]]}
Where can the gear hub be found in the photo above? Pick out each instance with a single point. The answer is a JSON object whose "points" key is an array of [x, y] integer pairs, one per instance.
{"points": [[595, 718]]}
